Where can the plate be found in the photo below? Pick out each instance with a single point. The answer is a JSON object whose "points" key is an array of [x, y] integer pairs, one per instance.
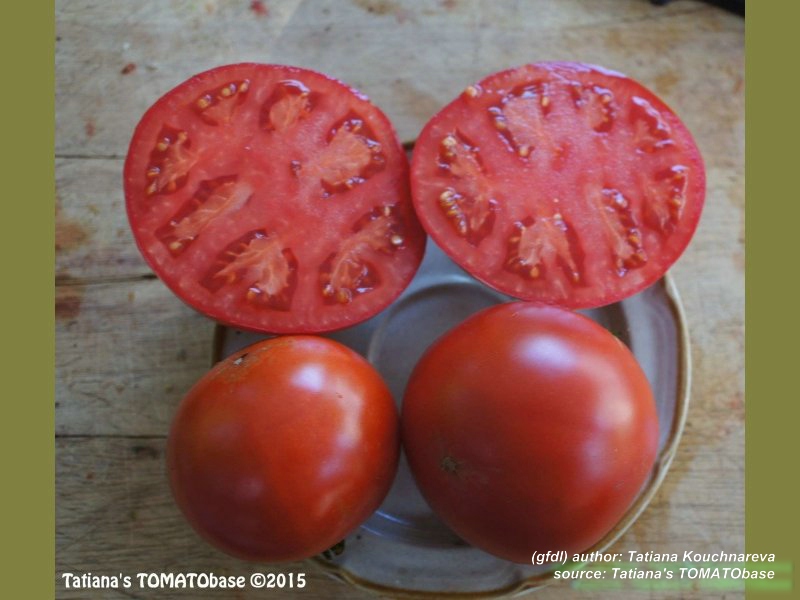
{"points": [[404, 549]]}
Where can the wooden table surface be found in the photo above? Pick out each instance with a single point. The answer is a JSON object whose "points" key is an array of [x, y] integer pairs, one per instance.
{"points": [[127, 349]]}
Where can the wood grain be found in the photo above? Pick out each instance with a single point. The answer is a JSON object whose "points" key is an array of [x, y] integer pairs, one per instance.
{"points": [[127, 353], [127, 349], [409, 57], [93, 240], [115, 515]]}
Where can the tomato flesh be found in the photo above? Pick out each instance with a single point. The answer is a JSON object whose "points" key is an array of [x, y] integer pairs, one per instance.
{"points": [[562, 183], [273, 199], [529, 428], [283, 448]]}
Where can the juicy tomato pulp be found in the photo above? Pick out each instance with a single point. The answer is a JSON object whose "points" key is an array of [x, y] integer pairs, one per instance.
{"points": [[274, 199], [559, 182]]}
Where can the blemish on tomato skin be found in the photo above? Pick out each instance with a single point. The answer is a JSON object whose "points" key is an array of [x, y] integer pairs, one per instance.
{"points": [[449, 465]]}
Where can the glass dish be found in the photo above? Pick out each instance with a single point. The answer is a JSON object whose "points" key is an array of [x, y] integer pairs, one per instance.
{"points": [[404, 549]]}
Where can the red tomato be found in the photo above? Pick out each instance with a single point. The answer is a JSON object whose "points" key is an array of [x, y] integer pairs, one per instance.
{"points": [[559, 182], [273, 198], [529, 428], [283, 448]]}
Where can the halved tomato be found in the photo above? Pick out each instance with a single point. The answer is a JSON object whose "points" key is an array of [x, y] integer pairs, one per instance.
{"points": [[562, 183], [273, 198]]}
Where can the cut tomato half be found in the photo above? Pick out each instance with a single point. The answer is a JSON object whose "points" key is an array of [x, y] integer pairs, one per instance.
{"points": [[561, 183], [273, 199]]}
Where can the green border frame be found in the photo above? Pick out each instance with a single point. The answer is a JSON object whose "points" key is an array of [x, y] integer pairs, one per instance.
{"points": [[28, 48], [772, 214], [27, 352]]}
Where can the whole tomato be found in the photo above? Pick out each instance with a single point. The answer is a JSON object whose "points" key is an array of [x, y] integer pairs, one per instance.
{"points": [[283, 448], [529, 428]]}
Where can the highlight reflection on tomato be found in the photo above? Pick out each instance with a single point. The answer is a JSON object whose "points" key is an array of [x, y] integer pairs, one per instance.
{"points": [[283, 448], [529, 428]]}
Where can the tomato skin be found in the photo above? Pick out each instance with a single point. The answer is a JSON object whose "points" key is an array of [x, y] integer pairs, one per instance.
{"points": [[283, 448], [529, 428]]}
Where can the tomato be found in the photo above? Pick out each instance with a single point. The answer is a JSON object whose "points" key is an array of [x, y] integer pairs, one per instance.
{"points": [[529, 428], [283, 448], [273, 198], [561, 183]]}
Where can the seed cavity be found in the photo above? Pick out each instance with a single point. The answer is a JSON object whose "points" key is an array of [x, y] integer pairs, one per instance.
{"points": [[289, 103], [218, 105], [213, 200], [621, 231], [170, 162], [596, 105], [260, 267], [351, 156], [651, 132], [350, 272], [520, 118], [468, 204], [539, 246], [666, 197]]}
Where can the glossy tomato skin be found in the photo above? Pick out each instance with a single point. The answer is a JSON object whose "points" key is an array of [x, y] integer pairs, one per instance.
{"points": [[273, 198], [560, 183], [283, 448], [529, 428]]}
